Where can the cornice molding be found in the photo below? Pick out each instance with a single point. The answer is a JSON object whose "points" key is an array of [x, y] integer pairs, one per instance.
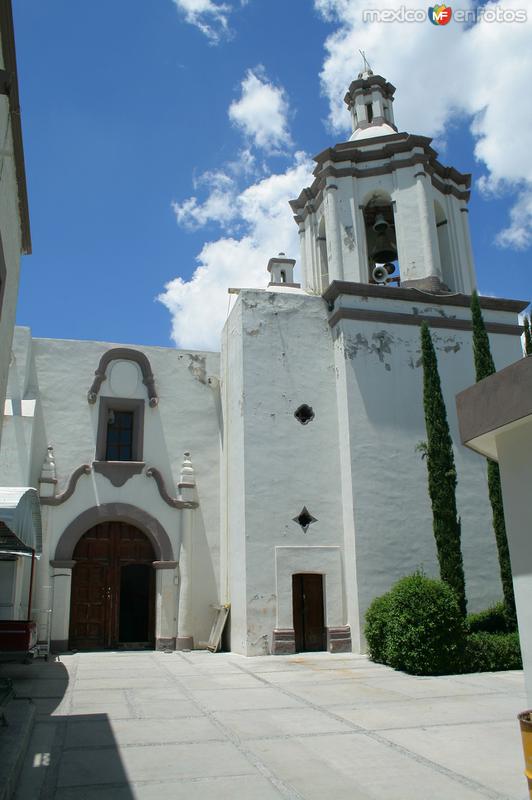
{"points": [[84, 469], [126, 354], [390, 147], [364, 86], [337, 288], [173, 502], [394, 318]]}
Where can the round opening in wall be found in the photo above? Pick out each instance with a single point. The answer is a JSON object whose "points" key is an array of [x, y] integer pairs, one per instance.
{"points": [[304, 414]]}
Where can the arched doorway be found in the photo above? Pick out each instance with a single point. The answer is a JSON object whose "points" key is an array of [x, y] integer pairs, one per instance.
{"points": [[113, 589]]}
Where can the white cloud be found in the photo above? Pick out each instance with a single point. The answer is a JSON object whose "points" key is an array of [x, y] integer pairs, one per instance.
{"points": [[211, 18], [518, 234], [261, 113], [218, 207], [445, 75], [199, 306]]}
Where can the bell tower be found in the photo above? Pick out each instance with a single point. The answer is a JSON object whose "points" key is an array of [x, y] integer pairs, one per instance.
{"points": [[382, 209]]}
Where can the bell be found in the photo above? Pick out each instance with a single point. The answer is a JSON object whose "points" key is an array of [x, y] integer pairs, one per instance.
{"points": [[380, 224], [384, 249]]}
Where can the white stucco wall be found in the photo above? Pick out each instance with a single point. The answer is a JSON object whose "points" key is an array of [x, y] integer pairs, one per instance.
{"points": [[513, 449], [233, 484], [280, 356], [58, 373], [354, 466], [379, 368], [10, 234]]}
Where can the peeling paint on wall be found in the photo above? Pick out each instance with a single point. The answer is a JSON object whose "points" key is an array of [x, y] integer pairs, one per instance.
{"points": [[262, 642], [452, 348], [197, 367], [263, 598], [443, 344], [432, 310], [349, 238], [380, 343]]}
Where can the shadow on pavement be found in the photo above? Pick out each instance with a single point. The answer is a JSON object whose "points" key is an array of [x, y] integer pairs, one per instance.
{"points": [[55, 764]]}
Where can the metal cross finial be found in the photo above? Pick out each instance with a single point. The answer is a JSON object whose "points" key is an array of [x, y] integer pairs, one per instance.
{"points": [[367, 67]]}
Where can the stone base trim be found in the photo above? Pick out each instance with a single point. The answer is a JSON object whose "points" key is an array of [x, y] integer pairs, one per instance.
{"points": [[165, 644], [339, 639], [283, 642], [59, 646], [184, 643]]}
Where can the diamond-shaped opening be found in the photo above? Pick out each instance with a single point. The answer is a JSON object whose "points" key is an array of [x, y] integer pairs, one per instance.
{"points": [[304, 519], [304, 414]]}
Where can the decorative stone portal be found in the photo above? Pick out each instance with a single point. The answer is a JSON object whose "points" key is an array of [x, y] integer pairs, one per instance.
{"points": [[310, 601], [113, 589]]}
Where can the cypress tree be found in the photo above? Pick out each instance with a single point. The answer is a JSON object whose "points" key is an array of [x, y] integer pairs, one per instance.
{"points": [[528, 337], [484, 366], [441, 473]]}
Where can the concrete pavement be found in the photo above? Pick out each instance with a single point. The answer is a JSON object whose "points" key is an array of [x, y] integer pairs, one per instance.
{"points": [[151, 726]]}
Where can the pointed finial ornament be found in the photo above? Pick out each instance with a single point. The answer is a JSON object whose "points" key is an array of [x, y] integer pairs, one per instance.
{"points": [[48, 479], [188, 476], [366, 70], [187, 480]]}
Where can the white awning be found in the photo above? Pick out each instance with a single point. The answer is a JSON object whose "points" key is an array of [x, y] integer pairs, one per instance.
{"points": [[20, 520]]}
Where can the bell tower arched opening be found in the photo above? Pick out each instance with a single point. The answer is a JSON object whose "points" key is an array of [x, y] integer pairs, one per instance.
{"points": [[322, 255], [381, 240], [444, 246]]}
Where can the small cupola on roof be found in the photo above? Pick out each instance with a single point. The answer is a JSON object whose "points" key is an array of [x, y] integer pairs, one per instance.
{"points": [[370, 101], [281, 271]]}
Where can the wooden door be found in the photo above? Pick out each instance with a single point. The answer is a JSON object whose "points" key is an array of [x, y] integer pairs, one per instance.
{"points": [[307, 606], [113, 588]]}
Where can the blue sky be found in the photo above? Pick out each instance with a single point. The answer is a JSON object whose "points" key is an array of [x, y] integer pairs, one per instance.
{"points": [[131, 109]]}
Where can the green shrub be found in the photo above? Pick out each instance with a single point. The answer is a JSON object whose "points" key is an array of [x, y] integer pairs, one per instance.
{"points": [[492, 620], [491, 652], [377, 617], [417, 627], [425, 630]]}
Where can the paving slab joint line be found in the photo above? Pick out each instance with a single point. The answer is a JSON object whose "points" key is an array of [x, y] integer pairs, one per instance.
{"points": [[131, 704], [492, 794], [127, 745], [285, 789], [149, 782]]}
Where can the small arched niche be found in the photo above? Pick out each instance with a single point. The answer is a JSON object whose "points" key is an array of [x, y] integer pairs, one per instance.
{"points": [[444, 245], [381, 239]]}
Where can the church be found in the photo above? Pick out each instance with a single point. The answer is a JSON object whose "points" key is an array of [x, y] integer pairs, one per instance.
{"points": [[278, 479]]}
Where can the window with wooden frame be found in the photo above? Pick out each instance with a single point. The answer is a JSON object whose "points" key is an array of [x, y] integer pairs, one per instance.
{"points": [[120, 430]]}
